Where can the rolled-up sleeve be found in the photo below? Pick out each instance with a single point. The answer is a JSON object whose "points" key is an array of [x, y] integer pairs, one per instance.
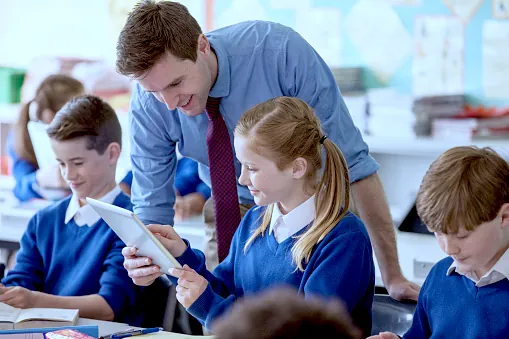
{"points": [[154, 162], [305, 75]]}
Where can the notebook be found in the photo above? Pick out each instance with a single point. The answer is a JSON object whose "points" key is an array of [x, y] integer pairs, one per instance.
{"points": [[16, 318]]}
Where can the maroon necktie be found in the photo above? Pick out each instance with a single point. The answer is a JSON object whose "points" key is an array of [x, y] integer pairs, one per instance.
{"points": [[222, 177]]}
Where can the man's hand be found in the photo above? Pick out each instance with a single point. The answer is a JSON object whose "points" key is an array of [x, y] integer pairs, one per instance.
{"points": [[17, 296], [190, 285], [140, 269], [402, 289], [384, 335]]}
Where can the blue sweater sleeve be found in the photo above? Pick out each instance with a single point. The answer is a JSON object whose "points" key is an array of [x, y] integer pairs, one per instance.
{"points": [[29, 269], [219, 294], [187, 179], [204, 190], [355, 266], [24, 174], [420, 325], [128, 179], [116, 286]]}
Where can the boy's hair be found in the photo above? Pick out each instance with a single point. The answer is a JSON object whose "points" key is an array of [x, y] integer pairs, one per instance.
{"points": [[283, 313], [87, 116], [51, 94], [284, 129], [464, 188], [153, 29]]}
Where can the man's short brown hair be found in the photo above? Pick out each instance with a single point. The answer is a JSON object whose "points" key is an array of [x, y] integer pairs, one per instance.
{"points": [[464, 188], [283, 313], [87, 116], [153, 29]]}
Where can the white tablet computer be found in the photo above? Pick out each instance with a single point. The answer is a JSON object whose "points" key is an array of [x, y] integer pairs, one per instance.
{"points": [[134, 233]]}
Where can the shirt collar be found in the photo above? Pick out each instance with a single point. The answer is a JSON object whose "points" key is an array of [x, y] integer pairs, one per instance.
{"points": [[86, 212], [297, 219], [501, 266], [221, 87]]}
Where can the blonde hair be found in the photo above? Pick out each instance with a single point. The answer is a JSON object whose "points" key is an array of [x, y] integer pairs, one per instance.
{"points": [[284, 129], [465, 187]]}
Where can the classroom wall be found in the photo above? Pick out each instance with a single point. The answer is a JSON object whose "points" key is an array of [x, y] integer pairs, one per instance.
{"points": [[309, 18], [84, 29]]}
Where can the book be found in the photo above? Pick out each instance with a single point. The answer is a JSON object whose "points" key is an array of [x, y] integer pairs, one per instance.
{"points": [[16, 318]]}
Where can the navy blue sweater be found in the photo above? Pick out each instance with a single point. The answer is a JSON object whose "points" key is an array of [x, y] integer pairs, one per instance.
{"points": [[68, 260], [453, 307], [341, 266]]}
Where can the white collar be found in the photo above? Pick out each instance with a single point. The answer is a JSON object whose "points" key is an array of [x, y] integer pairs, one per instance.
{"points": [[295, 220], [498, 272], [85, 215]]}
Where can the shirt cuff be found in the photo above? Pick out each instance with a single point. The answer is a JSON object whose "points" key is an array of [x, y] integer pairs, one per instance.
{"points": [[363, 169]]}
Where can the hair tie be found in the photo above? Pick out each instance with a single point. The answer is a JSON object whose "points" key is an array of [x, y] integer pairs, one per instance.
{"points": [[322, 139]]}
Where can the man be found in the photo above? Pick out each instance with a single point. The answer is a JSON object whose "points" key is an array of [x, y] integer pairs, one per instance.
{"points": [[178, 68]]}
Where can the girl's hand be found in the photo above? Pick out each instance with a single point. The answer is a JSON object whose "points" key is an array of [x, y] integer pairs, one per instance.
{"points": [[169, 238], [140, 269], [190, 285]]}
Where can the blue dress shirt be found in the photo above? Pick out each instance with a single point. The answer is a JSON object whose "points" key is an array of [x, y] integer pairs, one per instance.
{"points": [[257, 61]]}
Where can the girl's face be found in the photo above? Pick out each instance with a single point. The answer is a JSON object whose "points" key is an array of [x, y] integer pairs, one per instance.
{"points": [[266, 182]]}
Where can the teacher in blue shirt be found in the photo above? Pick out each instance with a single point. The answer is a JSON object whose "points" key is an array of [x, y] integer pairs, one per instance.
{"points": [[177, 68]]}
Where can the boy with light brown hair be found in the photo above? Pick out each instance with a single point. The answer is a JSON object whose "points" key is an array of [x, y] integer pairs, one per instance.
{"points": [[69, 257], [464, 200]]}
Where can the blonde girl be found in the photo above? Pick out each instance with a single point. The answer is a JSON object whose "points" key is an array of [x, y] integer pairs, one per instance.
{"points": [[301, 233]]}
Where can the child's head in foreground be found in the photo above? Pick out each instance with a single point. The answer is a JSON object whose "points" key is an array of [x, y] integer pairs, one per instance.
{"points": [[464, 200], [283, 313]]}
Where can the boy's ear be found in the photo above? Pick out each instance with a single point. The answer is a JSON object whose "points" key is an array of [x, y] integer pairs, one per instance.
{"points": [[300, 166], [504, 215], [113, 152]]}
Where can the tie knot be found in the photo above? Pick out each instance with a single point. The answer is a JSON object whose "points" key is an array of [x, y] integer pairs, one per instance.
{"points": [[212, 107]]}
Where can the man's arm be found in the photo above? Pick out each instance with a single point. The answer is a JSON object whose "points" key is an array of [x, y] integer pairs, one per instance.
{"points": [[154, 161], [305, 75], [370, 202]]}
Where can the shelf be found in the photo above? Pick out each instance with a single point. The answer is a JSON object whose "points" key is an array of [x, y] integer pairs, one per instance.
{"points": [[420, 146]]}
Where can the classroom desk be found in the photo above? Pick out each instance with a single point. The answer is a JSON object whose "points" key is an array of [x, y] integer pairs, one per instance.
{"points": [[14, 218], [109, 327], [417, 254]]}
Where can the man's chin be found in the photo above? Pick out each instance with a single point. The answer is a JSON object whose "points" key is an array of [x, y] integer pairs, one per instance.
{"points": [[192, 113]]}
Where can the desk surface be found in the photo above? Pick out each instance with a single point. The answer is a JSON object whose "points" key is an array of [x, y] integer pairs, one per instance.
{"points": [[108, 327], [417, 254]]}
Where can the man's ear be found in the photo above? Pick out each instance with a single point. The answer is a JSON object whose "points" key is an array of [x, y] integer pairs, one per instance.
{"points": [[113, 152], [504, 215], [203, 45], [300, 166]]}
